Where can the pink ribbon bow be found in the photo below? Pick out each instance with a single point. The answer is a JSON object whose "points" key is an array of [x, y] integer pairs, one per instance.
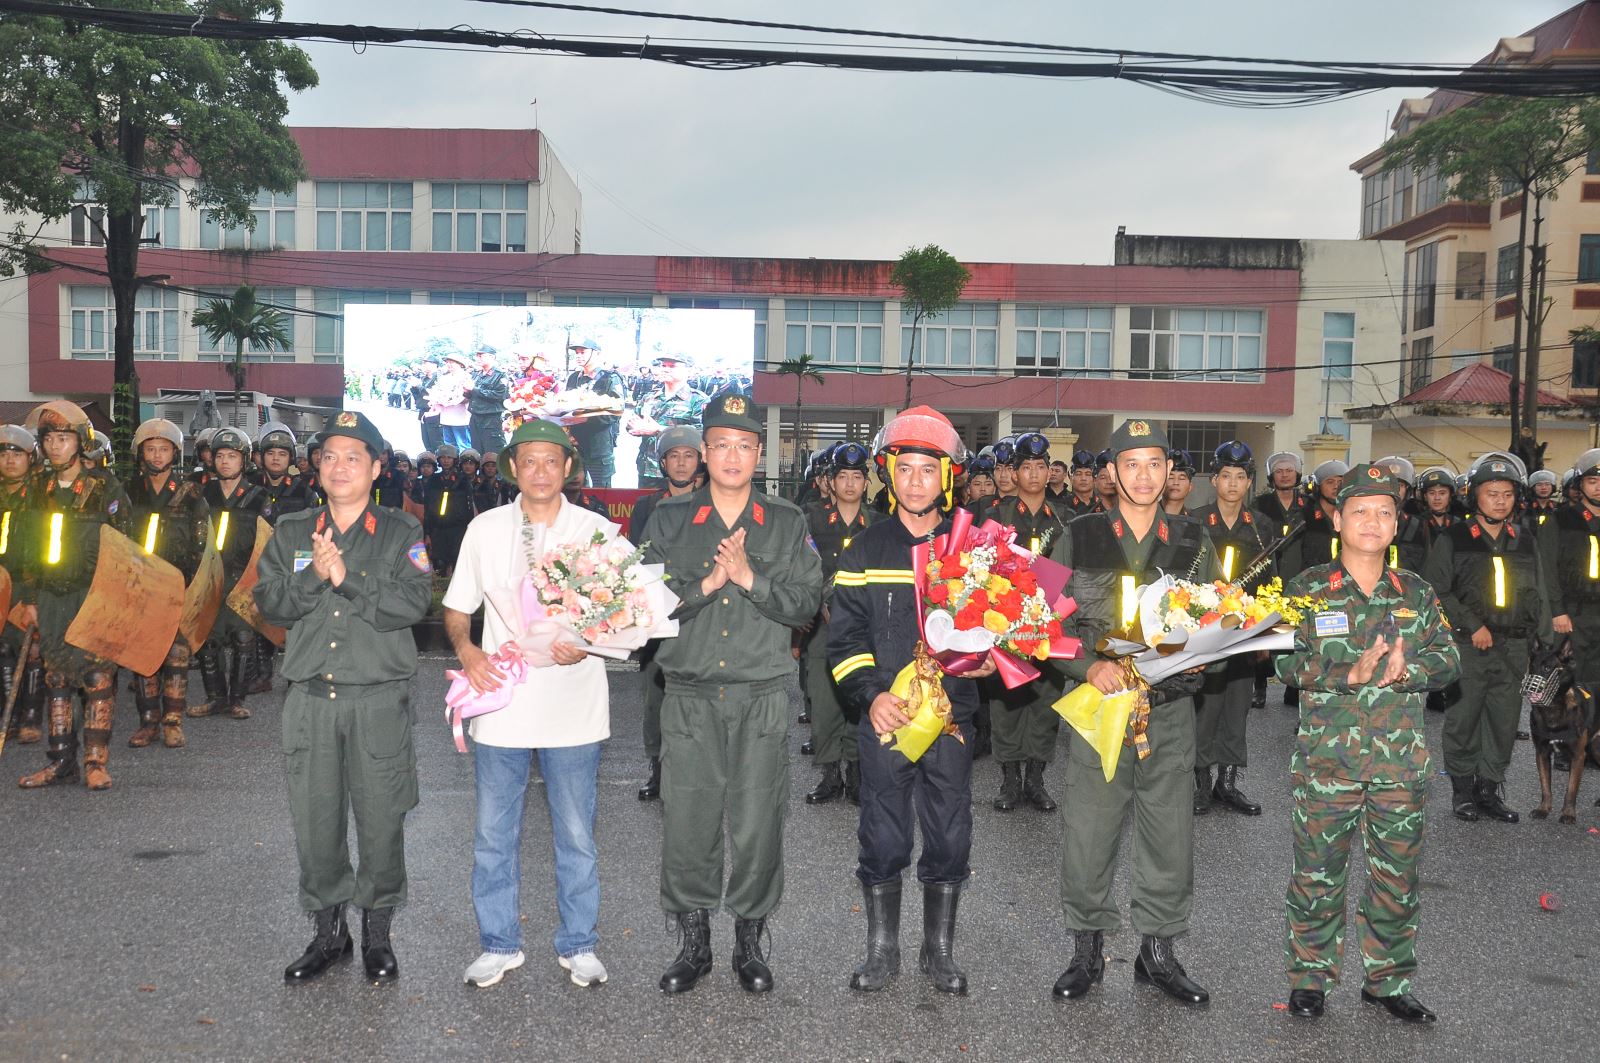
{"points": [[462, 703]]}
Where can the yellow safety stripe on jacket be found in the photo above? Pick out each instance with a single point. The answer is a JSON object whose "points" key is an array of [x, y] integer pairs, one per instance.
{"points": [[853, 664], [843, 578]]}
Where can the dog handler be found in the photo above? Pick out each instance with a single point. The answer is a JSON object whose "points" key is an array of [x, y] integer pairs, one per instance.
{"points": [[1570, 545], [1373, 644]]}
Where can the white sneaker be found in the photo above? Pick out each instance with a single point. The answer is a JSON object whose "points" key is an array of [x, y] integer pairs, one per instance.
{"points": [[489, 968], [586, 968]]}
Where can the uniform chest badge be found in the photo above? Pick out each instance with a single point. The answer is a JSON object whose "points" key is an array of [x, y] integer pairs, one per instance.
{"points": [[302, 559], [1328, 624], [1404, 614]]}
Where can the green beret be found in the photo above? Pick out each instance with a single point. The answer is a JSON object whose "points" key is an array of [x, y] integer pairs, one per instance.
{"points": [[535, 430], [733, 409], [356, 426], [1136, 434], [1369, 479]]}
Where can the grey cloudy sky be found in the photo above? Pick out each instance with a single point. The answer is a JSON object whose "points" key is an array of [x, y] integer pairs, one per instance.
{"points": [[829, 163]]}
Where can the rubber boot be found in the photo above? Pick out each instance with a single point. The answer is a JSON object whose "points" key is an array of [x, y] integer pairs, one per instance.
{"points": [[828, 788], [331, 944], [99, 702], [1088, 965], [1202, 791], [882, 904], [694, 956], [147, 700], [1227, 791], [1158, 965], [62, 749], [1010, 787], [377, 954], [214, 680], [241, 661], [749, 962], [30, 704], [939, 937], [652, 786], [1033, 790]]}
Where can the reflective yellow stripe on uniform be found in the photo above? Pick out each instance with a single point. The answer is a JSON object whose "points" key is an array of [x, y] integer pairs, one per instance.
{"points": [[843, 578], [1227, 562], [151, 530], [1333, 548], [1499, 582], [1594, 555], [1130, 602], [444, 502], [5, 533], [222, 529], [1394, 556], [53, 553], [853, 664]]}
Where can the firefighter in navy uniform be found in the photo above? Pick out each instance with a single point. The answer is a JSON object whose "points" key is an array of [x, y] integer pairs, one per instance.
{"points": [[447, 510], [1022, 723], [1570, 544], [228, 658], [1411, 540], [1109, 554], [65, 506], [172, 521], [16, 464], [1238, 536], [1489, 579], [833, 529], [872, 635]]}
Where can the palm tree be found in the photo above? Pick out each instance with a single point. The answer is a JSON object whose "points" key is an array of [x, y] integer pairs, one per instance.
{"points": [[243, 320], [802, 369]]}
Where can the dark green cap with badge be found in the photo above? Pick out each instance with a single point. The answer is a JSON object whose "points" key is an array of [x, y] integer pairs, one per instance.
{"points": [[1134, 434], [536, 430], [733, 409], [1369, 479], [356, 426]]}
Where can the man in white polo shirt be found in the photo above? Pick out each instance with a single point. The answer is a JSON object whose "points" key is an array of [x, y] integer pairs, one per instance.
{"points": [[561, 712]]}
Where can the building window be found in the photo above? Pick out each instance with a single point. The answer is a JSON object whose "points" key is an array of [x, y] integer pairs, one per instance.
{"points": [[1589, 259], [364, 216], [478, 298], [88, 220], [155, 323], [1200, 438], [1510, 186], [329, 304], [283, 300], [1429, 190], [480, 217], [962, 337], [1505, 271], [1586, 364], [1421, 364], [1591, 165], [1505, 358], [1338, 366], [1424, 276], [1075, 340], [274, 228], [834, 331], [730, 303], [1194, 343], [1469, 274]]}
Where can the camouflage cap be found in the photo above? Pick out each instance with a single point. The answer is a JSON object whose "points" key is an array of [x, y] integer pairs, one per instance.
{"points": [[1137, 434], [733, 409], [354, 425], [1369, 479]]}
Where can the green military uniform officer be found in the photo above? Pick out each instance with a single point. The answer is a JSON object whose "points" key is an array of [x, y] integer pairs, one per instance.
{"points": [[348, 580], [1489, 578], [1109, 553], [1570, 544], [745, 575], [1022, 724], [1365, 652]]}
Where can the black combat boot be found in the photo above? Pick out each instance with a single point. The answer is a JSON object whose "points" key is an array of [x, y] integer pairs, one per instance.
{"points": [[30, 704], [1202, 791], [749, 963], [1487, 796], [1033, 790], [1010, 787], [852, 782], [377, 955], [241, 663], [982, 741], [828, 788], [214, 679], [939, 937], [1227, 791], [260, 681], [1088, 965], [1157, 965], [882, 903], [331, 944], [694, 957], [1462, 800], [652, 786]]}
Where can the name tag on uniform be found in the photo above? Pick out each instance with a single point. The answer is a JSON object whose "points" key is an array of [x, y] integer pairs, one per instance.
{"points": [[302, 558], [1332, 624]]}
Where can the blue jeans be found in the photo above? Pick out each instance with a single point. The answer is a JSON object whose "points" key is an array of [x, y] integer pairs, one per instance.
{"points": [[570, 776], [457, 435]]}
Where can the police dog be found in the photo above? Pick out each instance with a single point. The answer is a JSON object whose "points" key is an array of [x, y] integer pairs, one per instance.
{"points": [[1561, 713]]}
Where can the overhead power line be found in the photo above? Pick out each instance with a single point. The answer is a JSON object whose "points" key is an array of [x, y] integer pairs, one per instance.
{"points": [[1257, 83]]}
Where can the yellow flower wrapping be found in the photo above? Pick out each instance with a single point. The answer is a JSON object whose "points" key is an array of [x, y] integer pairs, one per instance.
{"points": [[1102, 720], [919, 684]]}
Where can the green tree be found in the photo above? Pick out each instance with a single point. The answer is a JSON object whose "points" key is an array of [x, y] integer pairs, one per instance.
{"points": [[93, 115], [802, 369], [1494, 147], [931, 281], [244, 321]]}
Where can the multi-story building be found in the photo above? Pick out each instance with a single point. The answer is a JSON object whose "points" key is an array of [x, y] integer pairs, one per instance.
{"points": [[1459, 276]]}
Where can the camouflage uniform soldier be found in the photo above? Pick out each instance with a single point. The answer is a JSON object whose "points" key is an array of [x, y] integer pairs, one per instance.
{"points": [[66, 504], [172, 521], [676, 403], [16, 463], [1374, 641]]}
